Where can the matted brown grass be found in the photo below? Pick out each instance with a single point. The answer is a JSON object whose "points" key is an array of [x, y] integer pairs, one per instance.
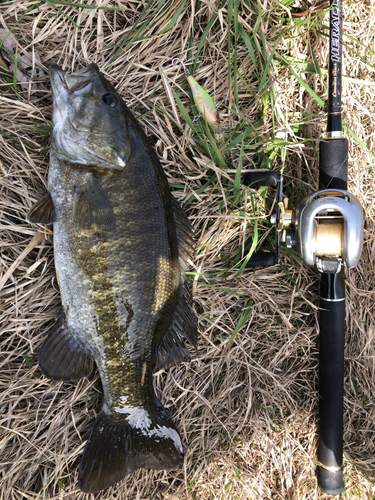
{"points": [[247, 412]]}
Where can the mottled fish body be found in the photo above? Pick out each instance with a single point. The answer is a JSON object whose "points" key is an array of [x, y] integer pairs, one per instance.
{"points": [[121, 242]]}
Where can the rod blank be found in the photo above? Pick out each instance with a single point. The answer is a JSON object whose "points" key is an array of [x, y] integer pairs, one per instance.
{"points": [[334, 71], [333, 173]]}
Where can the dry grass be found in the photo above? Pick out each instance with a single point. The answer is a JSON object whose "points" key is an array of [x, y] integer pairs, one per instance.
{"points": [[247, 411]]}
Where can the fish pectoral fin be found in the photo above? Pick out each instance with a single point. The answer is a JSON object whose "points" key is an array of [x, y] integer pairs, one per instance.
{"points": [[172, 349], [144, 438], [43, 212], [62, 357], [92, 210], [185, 234]]}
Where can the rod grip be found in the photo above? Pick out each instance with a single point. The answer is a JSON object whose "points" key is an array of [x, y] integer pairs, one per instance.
{"points": [[331, 383], [333, 163]]}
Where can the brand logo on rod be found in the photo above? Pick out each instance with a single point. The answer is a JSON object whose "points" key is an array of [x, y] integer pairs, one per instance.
{"points": [[335, 30]]}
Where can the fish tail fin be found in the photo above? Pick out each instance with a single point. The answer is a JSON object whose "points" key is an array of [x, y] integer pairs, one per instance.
{"points": [[136, 438]]}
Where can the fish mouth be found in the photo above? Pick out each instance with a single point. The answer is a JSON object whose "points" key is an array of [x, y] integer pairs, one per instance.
{"points": [[72, 82], [65, 85], [57, 78]]}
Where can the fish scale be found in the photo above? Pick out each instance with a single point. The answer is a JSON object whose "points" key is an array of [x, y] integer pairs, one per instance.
{"points": [[121, 242]]}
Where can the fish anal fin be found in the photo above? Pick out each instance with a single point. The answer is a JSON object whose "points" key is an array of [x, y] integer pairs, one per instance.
{"points": [[92, 209], [43, 212], [61, 357], [172, 348], [136, 438]]}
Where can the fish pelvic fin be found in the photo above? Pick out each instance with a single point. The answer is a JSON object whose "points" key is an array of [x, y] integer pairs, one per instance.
{"points": [[43, 212], [62, 357], [117, 446]]}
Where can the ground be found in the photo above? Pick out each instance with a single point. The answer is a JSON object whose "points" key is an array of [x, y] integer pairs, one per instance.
{"points": [[246, 405]]}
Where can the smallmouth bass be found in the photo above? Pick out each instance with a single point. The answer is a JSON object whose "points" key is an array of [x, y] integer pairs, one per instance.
{"points": [[121, 243]]}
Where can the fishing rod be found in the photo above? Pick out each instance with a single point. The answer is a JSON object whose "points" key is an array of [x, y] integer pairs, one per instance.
{"points": [[326, 229]]}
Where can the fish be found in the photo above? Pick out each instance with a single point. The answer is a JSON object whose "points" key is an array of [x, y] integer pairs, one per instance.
{"points": [[121, 245]]}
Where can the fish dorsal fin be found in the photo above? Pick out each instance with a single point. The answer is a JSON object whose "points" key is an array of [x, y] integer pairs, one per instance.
{"points": [[62, 357], [185, 234], [172, 348], [43, 212], [92, 210]]}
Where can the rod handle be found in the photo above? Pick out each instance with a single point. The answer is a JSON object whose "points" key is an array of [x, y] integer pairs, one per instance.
{"points": [[333, 163], [331, 482], [331, 384], [261, 177]]}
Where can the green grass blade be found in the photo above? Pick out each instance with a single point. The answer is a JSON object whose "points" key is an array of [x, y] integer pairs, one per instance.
{"points": [[235, 82], [265, 72], [174, 18], [237, 179], [259, 19], [246, 313], [123, 44], [251, 251], [202, 40], [230, 17], [200, 190], [183, 111], [308, 89], [355, 137], [249, 46], [53, 4], [219, 157]]}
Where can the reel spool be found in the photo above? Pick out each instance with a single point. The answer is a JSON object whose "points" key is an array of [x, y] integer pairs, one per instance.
{"points": [[328, 241]]}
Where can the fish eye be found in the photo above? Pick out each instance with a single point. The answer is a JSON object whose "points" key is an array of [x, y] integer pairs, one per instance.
{"points": [[109, 100]]}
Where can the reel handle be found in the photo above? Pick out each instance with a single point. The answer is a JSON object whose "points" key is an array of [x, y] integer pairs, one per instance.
{"points": [[256, 179], [262, 259], [261, 177]]}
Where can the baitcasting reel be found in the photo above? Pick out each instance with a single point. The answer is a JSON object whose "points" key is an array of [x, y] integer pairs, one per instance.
{"points": [[325, 228]]}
